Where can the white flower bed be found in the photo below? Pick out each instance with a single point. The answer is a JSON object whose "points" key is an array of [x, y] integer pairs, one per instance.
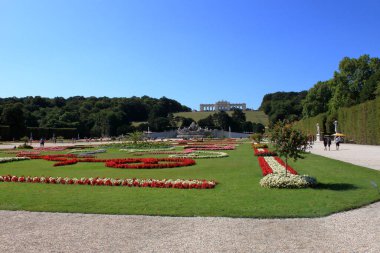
{"points": [[87, 152], [12, 159], [276, 166], [130, 150], [280, 180], [201, 154]]}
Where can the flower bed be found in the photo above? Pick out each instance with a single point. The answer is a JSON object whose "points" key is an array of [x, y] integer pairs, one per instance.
{"points": [[87, 152], [201, 154], [12, 159], [264, 152], [280, 180], [210, 147], [149, 163], [186, 151], [146, 150], [276, 166], [127, 163], [153, 183]]}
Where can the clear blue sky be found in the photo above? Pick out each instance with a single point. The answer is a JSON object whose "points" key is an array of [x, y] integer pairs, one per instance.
{"points": [[194, 51]]}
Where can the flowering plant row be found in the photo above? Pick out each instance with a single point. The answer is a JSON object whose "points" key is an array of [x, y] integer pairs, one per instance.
{"points": [[127, 163], [87, 152], [201, 154], [211, 147], [149, 163], [153, 183], [130, 150], [275, 165], [12, 159], [264, 152], [186, 151]]}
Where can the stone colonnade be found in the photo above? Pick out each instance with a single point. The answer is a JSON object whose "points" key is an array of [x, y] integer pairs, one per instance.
{"points": [[222, 106]]}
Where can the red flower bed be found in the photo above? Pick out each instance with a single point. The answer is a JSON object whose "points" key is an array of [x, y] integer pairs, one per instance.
{"points": [[153, 183], [266, 169], [265, 152], [149, 163], [127, 163]]}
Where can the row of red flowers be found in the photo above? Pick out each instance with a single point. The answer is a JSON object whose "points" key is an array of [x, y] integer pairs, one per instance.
{"points": [[149, 163], [275, 165], [265, 168], [264, 152], [127, 163], [153, 183]]}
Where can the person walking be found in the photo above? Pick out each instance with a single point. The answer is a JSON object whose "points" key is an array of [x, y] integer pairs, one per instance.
{"points": [[325, 142], [329, 142], [337, 142]]}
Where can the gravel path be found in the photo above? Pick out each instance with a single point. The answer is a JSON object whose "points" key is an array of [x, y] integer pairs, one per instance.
{"points": [[353, 231], [363, 155]]}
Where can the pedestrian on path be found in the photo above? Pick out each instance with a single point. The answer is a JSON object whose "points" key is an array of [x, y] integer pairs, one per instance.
{"points": [[329, 142], [325, 142], [337, 142]]}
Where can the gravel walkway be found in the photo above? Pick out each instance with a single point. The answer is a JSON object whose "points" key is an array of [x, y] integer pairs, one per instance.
{"points": [[363, 155], [353, 231]]}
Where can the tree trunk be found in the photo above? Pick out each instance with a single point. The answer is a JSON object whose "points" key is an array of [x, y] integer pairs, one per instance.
{"points": [[286, 166]]}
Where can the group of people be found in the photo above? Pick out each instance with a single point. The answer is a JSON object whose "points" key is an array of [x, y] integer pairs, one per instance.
{"points": [[327, 142]]}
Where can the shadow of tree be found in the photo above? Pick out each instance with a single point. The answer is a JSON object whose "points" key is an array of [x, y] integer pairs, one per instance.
{"points": [[335, 187]]}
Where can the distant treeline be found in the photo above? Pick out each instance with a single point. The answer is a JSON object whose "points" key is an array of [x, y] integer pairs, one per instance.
{"points": [[355, 82], [90, 116]]}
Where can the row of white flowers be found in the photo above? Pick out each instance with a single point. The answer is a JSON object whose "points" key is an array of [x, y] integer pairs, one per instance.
{"points": [[280, 180], [87, 151], [275, 166], [146, 150], [201, 154], [12, 159]]}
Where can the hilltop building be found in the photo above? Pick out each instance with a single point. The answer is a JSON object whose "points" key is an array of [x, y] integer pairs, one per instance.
{"points": [[221, 106]]}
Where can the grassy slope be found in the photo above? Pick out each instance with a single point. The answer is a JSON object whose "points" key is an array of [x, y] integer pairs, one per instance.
{"points": [[344, 186], [254, 116]]}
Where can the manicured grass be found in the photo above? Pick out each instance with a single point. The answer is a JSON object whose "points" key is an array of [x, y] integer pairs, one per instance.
{"points": [[238, 194]]}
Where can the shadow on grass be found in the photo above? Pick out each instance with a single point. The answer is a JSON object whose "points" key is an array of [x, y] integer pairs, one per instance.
{"points": [[335, 187]]}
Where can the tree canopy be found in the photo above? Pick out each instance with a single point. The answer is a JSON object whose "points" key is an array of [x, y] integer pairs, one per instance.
{"points": [[92, 116]]}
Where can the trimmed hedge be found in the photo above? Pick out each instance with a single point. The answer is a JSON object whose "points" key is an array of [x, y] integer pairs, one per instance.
{"points": [[360, 123]]}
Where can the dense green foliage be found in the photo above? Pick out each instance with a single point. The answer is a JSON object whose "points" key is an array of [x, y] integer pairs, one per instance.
{"points": [[253, 116], [90, 116], [283, 105], [342, 187], [237, 121], [356, 81]]}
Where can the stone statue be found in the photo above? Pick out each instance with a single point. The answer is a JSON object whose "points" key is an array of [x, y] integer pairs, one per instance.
{"points": [[318, 130], [336, 126]]}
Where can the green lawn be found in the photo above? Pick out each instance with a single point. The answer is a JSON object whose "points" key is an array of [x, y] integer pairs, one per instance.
{"points": [[238, 194]]}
